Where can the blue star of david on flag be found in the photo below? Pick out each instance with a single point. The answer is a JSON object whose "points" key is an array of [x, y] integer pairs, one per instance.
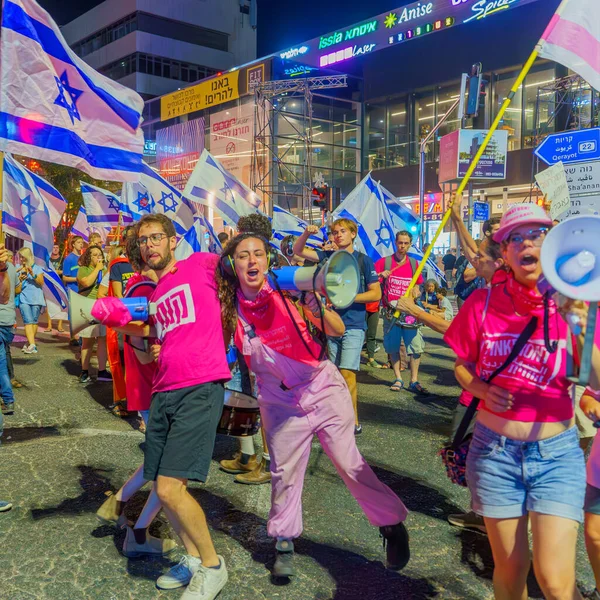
{"points": [[387, 240], [163, 202], [113, 203], [26, 203], [143, 202], [67, 97]]}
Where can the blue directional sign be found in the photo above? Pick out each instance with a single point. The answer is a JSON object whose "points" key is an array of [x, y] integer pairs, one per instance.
{"points": [[570, 146], [481, 211]]}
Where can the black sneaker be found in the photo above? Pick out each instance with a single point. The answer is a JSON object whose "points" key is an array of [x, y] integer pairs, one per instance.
{"points": [[8, 409], [469, 520], [395, 542], [104, 376], [357, 429], [73, 342], [284, 560], [84, 377]]}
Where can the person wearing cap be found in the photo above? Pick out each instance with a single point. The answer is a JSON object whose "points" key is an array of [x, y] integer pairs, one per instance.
{"points": [[524, 462]]}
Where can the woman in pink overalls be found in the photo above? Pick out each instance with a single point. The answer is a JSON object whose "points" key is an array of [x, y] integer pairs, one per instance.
{"points": [[299, 396]]}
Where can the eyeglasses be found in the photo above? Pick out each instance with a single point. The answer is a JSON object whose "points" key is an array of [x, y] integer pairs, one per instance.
{"points": [[535, 236], [155, 238]]}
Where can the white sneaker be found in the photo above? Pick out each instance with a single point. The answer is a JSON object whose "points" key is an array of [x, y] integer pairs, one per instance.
{"points": [[31, 349], [206, 583], [179, 575]]}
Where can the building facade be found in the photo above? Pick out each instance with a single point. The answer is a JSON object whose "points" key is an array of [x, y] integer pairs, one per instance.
{"points": [[404, 71], [156, 47]]}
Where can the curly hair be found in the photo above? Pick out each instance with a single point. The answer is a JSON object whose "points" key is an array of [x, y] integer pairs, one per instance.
{"points": [[133, 253], [86, 258], [256, 223], [228, 285]]}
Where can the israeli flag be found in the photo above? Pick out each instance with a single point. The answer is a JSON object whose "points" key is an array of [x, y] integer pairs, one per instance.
{"points": [[53, 199], [152, 194], [366, 206], [285, 223], [403, 218], [55, 107], [211, 185], [24, 213], [431, 270], [103, 209], [199, 238], [56, 295], [80, 226]]}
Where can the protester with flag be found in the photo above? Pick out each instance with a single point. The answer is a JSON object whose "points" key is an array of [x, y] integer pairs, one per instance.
{"points": [[55, 264], [344, 351], [30, 296], [55, 107]]}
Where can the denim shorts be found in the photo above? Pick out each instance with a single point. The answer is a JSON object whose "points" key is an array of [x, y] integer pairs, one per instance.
{"points": [[411, 336], [344, 352], [30, 313], [508, 478]]}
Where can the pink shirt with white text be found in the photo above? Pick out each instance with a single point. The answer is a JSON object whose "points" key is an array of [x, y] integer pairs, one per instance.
{"points": [[188, 325]]}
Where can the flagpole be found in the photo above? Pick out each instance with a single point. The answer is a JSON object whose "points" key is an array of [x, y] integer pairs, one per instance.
{"points": [[463, 184]]}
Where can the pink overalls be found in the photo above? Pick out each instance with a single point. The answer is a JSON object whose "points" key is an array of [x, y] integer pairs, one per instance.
{"points": [[298, 401]]}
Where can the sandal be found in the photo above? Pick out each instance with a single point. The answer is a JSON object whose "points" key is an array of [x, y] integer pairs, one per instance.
{"points": [[16, 383], [48, 330], [60, 330], [397, 386], [371, 362]]}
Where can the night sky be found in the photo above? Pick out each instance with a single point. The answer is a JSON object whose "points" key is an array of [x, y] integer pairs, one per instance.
{"points": [[281, 23]]}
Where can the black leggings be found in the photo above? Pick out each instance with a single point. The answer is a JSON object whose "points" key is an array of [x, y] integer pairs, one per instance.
{"points": [[372, 322]]}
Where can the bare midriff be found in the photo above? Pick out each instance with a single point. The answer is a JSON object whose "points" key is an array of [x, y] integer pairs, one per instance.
{"points": [[523, 431]]}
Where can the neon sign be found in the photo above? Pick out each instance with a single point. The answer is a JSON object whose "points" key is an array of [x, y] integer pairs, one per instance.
{"points": [[349, 34], [397, 25], [488, 7], [294, 52], [345, 54]]}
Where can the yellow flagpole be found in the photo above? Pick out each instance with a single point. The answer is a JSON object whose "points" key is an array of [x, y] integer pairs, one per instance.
{"points": [[463, 184]]}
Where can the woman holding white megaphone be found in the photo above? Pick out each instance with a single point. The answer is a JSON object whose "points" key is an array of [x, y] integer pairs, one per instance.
{"points": [[524, 462], [300, 395]]}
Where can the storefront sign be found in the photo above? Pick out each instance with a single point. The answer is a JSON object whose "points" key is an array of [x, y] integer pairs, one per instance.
{"points": [[255, 76], [232, 139], [205, 94], [398, 26]]}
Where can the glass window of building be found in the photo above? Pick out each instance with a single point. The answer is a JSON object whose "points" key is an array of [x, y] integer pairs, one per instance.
{"points": [[539, 80], [445, 97], [511, 121], [398, 138], [424, 120], [376, 136]]}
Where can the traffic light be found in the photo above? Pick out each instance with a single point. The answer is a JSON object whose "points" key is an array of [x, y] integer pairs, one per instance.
{"points": [[319, 195], [475, 90]]}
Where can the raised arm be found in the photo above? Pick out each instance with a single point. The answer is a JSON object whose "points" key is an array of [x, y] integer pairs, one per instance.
{"points": [[466, 241], [300, 248]]}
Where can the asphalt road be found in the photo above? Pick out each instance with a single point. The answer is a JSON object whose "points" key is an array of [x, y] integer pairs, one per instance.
{"points": [[62, 450]]}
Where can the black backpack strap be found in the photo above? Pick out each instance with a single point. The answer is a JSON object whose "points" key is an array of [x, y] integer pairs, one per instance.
{"points": [[472, 408]]}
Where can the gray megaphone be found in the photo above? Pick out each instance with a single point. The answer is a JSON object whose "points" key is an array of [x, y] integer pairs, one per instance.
{"points": [[337, 279], [570, 258]]}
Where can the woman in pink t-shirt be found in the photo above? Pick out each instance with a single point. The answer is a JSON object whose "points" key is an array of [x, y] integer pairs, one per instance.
{"points": [[300, 395], [524, 462]]}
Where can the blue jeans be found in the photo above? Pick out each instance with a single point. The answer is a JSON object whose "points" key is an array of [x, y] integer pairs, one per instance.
{"points": [[6, 391], [509, 478]]}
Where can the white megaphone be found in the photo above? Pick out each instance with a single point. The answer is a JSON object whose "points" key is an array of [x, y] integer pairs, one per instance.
{"points": [[337, 279], [80, 310], [570, 258]]}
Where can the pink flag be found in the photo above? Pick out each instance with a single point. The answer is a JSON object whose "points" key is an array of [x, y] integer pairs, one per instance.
{"points": [[573, 38]]}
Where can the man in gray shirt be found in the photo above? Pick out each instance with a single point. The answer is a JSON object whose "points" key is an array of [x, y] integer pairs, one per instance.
{"points": [[7, 320]]}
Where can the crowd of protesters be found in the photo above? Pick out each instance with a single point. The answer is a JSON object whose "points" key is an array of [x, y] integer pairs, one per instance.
{"points": [[525, 465]]}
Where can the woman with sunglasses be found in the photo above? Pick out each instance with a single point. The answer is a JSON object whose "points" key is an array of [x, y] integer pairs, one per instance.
{"points": [[300, 395], [524, 463]]}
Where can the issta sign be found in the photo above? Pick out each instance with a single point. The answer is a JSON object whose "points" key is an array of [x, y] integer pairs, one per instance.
{"points": [[396, 26]]}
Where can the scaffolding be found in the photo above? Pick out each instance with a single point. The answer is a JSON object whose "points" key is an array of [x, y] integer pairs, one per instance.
{"points": [[282, 155]]}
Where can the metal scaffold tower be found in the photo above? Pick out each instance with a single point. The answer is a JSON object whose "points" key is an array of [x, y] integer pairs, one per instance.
{"points": [[281, 161], [564, 104]]}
